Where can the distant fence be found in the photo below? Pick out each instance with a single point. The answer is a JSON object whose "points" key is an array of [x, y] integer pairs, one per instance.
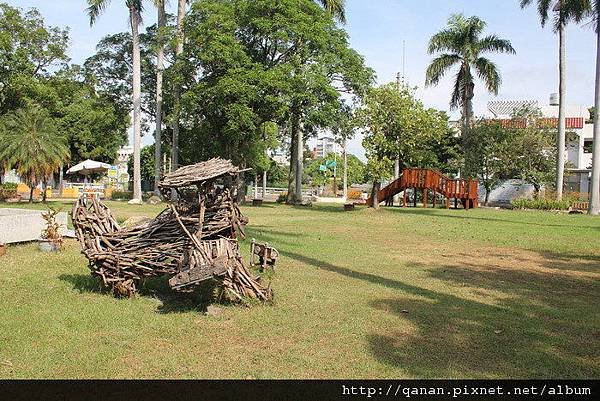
{"points": [[274, 192]]}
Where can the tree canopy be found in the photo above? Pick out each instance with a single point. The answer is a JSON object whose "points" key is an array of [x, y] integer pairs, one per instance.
{"points": [[265, 65], [31, 144], [397, 125], [37, 76]]}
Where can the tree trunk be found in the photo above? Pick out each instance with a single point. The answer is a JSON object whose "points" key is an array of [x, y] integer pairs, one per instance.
{"points": [[292, 175], [299, 164], [345, 172], [255, 186], [44, 186], [160, 58], [374, 194], [61, 183], [467, 116], [31, 193], [137, 138], [264, 184], [594, 207], [487, 197], [177, 88], [562, 93], [396, 198]]}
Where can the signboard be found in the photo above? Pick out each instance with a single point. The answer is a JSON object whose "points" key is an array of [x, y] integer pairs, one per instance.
{"points": [[113, 172]]}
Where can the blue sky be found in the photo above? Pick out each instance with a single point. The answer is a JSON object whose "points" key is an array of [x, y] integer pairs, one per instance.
{"points": [[377, 29]]}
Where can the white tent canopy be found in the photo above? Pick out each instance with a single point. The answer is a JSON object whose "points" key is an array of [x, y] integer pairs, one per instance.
{"points": [[88, 167]]}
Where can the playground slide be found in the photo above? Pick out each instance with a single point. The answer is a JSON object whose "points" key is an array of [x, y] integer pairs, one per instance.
{"points": [[430, 180]]}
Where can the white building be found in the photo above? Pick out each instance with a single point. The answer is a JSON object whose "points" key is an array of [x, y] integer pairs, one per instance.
{"points": [[326, 145], [578, 153], [280, 156]]}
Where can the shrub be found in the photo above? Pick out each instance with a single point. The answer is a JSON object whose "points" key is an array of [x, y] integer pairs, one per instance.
{"points": [[8, 190], [122, 195], [540, 204], [282, 198], [8, 185]]}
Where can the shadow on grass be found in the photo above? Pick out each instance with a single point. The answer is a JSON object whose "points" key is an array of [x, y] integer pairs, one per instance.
{"points": [[265, 205], [155, 287], [541, 326], [504, 216], [322, 208], [521, 325], [560, 261]]}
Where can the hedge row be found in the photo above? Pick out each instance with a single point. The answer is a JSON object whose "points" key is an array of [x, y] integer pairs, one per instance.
{"points": [[541, 204]]}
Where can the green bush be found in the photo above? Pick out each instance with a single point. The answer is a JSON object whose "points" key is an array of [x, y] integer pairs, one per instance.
{"points": [[9, 185], [8, 190], [122, 195], [540, 204], [282, 198]]}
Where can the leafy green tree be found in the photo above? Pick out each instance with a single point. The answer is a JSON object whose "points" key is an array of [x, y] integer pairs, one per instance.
{"points": [[463, 46], [110, 70], [379, 164], [31, 144], [532, 150], [315, 176], [487, 148], [397, 125], [96, 7], [94, 126], [277, 175], [264, 62], [29, 50], [147, 163]]}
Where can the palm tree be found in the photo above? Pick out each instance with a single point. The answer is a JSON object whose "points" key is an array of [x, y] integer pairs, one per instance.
{"points": [[160, 66], [565, 10], [464, 46], [30, 143], [177, 89], [337, 8], [594, 207], [96, 7]]}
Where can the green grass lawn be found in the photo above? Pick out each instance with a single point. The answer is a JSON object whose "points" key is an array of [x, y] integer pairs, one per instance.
{"points": [[395, 293]]}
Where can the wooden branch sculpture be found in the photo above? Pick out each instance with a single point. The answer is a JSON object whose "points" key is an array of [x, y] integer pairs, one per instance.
{"points": [[193, 240]]}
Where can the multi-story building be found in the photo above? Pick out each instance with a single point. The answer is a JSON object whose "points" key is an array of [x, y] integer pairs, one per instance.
{"points": [[326, 145], [578, 153]]}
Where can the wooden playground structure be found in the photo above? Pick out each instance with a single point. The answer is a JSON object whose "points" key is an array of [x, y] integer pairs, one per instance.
{"points": [[429, 180]]}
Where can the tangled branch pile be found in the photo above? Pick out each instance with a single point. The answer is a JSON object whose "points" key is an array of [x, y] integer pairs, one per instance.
{"points": [[194, 239]]}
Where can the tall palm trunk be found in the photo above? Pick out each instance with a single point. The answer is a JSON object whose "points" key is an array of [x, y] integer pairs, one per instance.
{"points": [[292, 173], [160, 66], [467, 104], [345, 172], [299, 164], [177, 89], [594, 207], [137, 138], [562, 95]]}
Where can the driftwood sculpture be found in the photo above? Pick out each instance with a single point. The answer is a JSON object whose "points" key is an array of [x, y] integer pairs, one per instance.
{"points": [[193, 240], [267, 255]]}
